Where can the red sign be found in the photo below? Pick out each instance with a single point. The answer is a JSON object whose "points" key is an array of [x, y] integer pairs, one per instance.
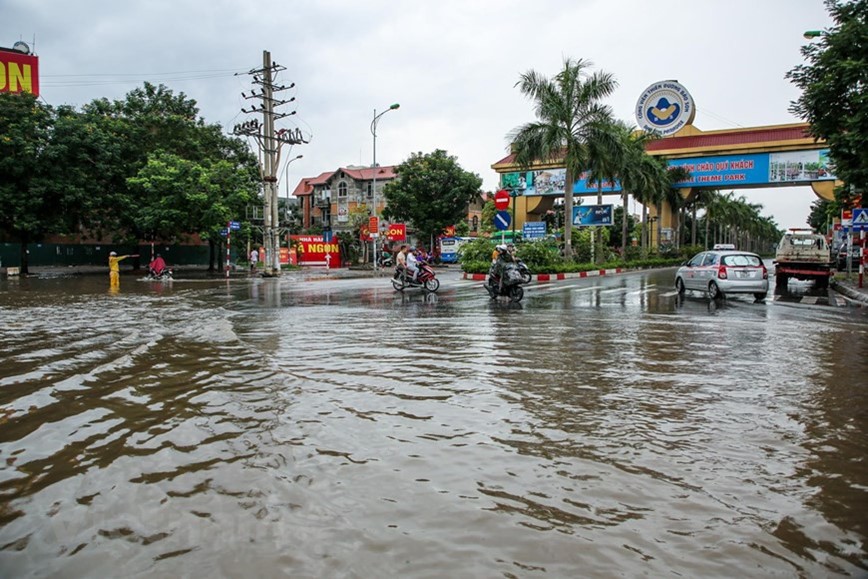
{"points": [[19, 72], [501, 200], [396, 232], [313, 250], [373, 225], [449, 231]]}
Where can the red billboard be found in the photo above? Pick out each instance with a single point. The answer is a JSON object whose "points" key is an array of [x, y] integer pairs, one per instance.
{"points": [[313, 250], [19, 72]]}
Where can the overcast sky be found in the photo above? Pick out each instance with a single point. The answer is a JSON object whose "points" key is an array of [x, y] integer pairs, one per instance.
{"points": [[451, 64]]}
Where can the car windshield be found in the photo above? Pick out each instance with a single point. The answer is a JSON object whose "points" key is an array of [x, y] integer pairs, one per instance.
{"points": [[742, 260]]}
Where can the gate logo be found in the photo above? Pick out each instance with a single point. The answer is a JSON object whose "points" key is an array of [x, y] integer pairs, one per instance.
{"points": [[665, 108]]}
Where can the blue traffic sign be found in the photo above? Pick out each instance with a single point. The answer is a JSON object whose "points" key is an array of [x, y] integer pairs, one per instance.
{"points": [[534, 230], [502, 219], [860, 219], [224, 232], [234, 225]]}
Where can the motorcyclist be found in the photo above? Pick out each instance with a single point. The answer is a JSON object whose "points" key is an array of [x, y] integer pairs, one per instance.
{"points": [[412, 264], [504, 257], [157, 266]]}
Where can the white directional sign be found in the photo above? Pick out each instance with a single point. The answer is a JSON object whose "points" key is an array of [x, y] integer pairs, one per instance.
{"points": [[502, 219]]}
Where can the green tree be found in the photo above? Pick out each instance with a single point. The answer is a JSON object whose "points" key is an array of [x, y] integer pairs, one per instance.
{"points": [[431, 191], [833, 84], [25, 127], [570, 120]]}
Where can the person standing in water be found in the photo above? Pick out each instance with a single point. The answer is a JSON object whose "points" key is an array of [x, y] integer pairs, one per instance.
{"points": [[115, 268]]}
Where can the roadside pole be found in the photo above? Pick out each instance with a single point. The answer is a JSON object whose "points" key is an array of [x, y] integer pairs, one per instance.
{"points": [[228, 245]]}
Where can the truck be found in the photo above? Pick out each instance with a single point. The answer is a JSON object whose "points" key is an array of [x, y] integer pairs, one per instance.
{"points": [[804, 255]]}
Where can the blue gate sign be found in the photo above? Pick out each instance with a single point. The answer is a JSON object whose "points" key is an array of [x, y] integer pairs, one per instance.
{"points": [[534, 230], [592, 215], [502, 219], [234, 225], [860, 219], [224, 232]]}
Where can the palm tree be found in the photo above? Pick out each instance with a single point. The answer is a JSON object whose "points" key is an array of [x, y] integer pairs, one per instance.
{"points": [[570, 117], [637, 175]]}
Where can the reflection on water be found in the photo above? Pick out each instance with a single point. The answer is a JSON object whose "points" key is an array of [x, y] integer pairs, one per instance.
{"points": [[338, 429]]}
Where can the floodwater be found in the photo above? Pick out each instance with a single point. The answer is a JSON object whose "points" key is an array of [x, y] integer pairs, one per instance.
{"points": [[334, 428]]}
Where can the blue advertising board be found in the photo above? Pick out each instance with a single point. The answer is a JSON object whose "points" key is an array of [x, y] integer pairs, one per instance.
{"points": [[592, 215], [534, 230], [750, 169]]}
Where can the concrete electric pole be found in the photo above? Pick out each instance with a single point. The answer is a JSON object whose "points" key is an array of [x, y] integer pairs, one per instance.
{"points": [[270, 143]]}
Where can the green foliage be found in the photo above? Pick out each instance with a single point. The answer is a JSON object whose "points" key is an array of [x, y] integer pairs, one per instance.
{"points": [[540, 254], [478, 249], [139, 168], [833, 84], [431, 191]]}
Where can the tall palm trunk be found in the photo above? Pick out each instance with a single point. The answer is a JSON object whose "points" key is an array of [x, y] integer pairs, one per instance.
{"points": [[624, 225], [693, 225], [568, 216]]}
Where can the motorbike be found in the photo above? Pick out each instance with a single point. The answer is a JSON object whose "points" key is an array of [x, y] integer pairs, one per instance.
{"points": [[386, 260], [426, 279], [164, 275], [511, 286], [526, 276]]}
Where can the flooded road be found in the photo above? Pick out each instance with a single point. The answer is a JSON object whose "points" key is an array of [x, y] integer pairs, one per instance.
{"points": [[334, 428]]}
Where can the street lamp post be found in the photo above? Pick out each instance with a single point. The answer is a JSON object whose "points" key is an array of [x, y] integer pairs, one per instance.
{"points": [[286, 178], [375, 234]]}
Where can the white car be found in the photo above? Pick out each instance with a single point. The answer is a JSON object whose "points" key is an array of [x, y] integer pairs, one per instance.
{"points": [[724, 272]]}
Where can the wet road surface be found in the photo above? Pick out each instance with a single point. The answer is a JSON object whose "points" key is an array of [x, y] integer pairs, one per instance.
{"points": [[335, 428]]}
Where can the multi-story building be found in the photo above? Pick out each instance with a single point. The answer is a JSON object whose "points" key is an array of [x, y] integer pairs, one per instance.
{"points": [[325, 201]]}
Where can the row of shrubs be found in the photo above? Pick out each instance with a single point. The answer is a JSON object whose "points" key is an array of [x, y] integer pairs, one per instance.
{"points": [[545, 256]]}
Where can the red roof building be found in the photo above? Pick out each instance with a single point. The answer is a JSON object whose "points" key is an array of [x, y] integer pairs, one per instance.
{"points": [[327, 199]]}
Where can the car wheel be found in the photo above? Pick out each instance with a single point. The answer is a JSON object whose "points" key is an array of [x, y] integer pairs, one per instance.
{"points": [[760, 296], [679, 285], [714, 291]]}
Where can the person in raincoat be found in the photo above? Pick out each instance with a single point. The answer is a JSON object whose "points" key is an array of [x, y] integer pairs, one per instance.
{"points": [[115, 268]]}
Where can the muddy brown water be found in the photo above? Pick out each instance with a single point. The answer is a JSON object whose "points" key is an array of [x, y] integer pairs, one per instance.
{"points": [[333, 428]]}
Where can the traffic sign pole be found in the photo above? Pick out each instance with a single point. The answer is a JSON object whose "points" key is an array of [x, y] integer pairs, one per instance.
{"points": [[228, 245]]}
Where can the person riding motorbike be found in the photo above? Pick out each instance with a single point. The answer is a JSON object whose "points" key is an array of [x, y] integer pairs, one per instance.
{"points": [[412, 264], [157, 266], [498, 268]]}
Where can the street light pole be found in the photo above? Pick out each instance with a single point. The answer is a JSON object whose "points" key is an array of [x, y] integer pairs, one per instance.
{"points": [[374, 234], [286, 178]]}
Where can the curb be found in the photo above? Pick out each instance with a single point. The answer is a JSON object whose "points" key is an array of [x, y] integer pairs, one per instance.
{"points": [[850, 292], [554, 276]]}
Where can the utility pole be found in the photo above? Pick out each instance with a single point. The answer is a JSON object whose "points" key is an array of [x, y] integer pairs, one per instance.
{"points": [[270, 142]]}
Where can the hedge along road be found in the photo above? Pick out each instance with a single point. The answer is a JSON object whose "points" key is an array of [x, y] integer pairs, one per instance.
{"points": [[335, 427]]}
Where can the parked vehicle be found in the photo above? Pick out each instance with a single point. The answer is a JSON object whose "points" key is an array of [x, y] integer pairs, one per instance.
{"points": [[855, 258], [385, 259], [803, 255], [427, 279], [719, 273], [511, 286], [449, 247]]}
